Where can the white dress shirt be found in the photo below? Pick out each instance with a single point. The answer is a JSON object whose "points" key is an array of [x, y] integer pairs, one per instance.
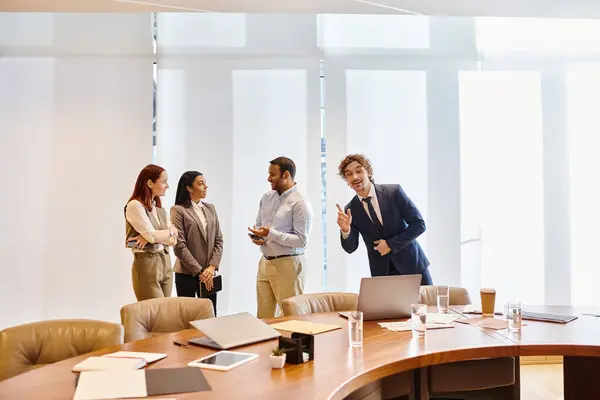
{"points": [[375, 204], [137, 217]]}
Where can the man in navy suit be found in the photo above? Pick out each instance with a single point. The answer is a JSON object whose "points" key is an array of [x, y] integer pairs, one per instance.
{"points": [[388, 221]]}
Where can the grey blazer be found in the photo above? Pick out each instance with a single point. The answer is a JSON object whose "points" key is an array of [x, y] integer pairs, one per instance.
{"points": [[196, 248]]}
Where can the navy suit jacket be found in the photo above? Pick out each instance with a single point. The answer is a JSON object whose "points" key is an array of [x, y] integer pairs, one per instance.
{"points": [[402, 224]]}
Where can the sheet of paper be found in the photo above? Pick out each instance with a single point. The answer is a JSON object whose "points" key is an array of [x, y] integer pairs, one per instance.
{"points": [[308, 328], [407, 326], [149, 357], [99, 385], [435, 318]]}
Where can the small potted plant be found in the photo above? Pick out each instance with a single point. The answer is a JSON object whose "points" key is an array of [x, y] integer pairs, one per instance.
{"points": [[277, 357]]}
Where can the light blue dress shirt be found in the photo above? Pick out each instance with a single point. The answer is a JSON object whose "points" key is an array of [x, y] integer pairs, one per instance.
{"points": [[290, 219]]}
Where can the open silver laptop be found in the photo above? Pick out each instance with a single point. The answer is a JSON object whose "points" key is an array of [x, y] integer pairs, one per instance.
{"points": [[387, 297], [231, 331]]}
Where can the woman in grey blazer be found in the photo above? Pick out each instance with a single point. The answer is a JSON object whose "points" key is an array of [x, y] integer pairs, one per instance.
{"points": [[200, 242]]}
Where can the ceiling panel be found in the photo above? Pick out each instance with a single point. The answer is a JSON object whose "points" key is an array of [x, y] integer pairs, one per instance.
{"points": [[504, 8]]}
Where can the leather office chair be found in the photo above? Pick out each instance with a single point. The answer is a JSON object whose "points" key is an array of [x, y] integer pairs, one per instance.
{"points": [[489, 378], [149, 318], [399, 386], [458, 296], [29, 346], [319, 302]]}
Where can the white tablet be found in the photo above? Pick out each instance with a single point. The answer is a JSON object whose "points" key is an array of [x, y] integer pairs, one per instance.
{"points": [[223, 360]]}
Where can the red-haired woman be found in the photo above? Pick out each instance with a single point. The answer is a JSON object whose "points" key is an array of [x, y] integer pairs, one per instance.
{"points": [[149, 231]]}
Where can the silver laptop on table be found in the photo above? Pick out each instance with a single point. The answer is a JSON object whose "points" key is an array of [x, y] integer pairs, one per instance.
{"points": [[387, 297], [231, 331]]}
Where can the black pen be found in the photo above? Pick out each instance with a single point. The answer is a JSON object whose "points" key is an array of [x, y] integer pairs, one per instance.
{"points": [[180, 344]]}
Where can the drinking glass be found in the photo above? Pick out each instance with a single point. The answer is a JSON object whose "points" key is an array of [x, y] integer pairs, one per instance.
{"points": [[419, 319], [443, 299], [514, 315], [355, 328]]}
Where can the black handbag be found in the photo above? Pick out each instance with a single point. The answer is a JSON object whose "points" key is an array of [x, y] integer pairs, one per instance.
{"points": [[217, 286]]}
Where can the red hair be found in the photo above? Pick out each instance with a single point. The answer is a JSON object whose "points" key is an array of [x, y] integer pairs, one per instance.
{"points": [[141, 190]]}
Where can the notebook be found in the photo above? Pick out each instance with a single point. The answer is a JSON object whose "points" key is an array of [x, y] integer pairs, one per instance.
{"points": [[148, 357], [109, 363], [96, 385]]}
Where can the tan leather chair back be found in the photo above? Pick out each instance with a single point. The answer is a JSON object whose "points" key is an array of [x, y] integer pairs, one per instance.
{"points": [[458, 296], [319, 302], [148, 318], [30, 346]]}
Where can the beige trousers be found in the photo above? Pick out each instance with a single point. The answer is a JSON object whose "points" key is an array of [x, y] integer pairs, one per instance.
{"points": [[152, 275], [277, 280]]}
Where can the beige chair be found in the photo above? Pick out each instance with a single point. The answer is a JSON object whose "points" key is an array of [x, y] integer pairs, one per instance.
{"points": [[153, 317], [458, 296], [398, 386], [29, 346], [319, 302], [489, 378]]}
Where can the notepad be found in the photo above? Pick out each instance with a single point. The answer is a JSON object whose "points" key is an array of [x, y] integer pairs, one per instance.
{"points": [[109, 363], [309, 328], [149, 357], [96, 385]]}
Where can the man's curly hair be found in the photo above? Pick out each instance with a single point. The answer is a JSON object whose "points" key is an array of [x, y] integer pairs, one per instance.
{"points": [[359, 158]]}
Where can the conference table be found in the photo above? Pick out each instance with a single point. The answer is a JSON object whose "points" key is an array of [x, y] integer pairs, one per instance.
{"points": [[338, 369]]}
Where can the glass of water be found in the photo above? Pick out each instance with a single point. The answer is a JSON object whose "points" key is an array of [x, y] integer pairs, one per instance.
{"points": [[419, 319], [443, 299], [355, 328], [514, 315]]}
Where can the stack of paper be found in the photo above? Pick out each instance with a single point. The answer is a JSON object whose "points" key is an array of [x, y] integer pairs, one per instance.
{"points": [[109, 363], [441, 318], [308, 328]]}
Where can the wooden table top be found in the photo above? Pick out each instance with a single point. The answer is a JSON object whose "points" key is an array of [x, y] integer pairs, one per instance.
{"points": [[337, 370], [580, 335]]}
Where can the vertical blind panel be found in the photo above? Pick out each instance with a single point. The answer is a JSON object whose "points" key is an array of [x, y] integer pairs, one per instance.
{"points": [[228, 119], [501, 154], [385, 118], [77, 129], [584, 144]]}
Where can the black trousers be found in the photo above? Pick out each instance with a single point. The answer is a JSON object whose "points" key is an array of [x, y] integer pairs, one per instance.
{"points": [[425, 275], [189, 286]]}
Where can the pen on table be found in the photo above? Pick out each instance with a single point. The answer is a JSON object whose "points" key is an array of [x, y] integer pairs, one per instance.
{"points": [[180, 344]]}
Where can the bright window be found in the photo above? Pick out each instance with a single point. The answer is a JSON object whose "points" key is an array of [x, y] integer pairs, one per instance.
{"points": [[502, 184]]}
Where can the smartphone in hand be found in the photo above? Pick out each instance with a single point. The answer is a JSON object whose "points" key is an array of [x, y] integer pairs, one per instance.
{"points": [[131, 243], [254, 237]]}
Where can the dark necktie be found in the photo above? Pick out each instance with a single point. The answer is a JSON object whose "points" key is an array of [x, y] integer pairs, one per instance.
{"points": [[373, 215]]}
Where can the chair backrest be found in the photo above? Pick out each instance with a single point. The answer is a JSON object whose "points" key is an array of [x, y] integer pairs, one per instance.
{"points": [[30, 346], [458, 296], [149, 318], [319, 302]]}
